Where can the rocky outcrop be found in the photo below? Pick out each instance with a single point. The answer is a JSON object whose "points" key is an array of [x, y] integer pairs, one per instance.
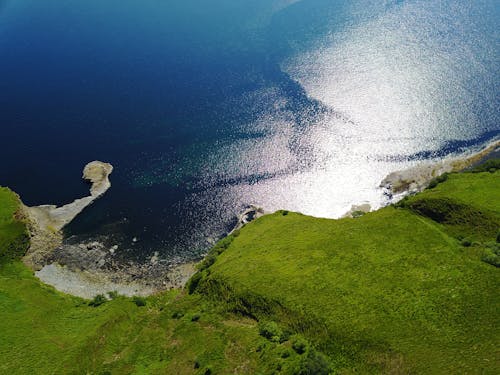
{"points": [[417, 178], [46, 221], [88, 268], [251, 213], [358, 210]]}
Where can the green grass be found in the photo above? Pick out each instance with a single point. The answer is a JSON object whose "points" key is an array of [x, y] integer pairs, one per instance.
{"points": [[45, 332], [394, 291], [389, 291], [13, 235]]}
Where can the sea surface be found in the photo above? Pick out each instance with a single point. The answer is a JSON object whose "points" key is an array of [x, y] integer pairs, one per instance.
{"points": [[204, 107]]}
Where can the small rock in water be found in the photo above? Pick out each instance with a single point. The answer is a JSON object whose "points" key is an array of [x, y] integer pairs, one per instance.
{"points": [[154, 258]]}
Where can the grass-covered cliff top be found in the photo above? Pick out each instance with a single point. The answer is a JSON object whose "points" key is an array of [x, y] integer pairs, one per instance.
{"points": [[13, 233], [411, 288]]}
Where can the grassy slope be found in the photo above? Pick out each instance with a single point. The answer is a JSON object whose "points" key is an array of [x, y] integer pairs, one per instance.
{"points": [[13, 237], [43, 331], [390, 291], [46, 332], [391, 288]]}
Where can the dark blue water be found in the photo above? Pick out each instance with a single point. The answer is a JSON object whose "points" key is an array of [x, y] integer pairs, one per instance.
{"points": [[205, 107]]}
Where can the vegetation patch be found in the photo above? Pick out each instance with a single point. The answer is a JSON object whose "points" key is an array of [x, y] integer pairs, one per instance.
{"points": [[407, 289], [393, 291], [14, 238], [437, 180], [492, 166]]}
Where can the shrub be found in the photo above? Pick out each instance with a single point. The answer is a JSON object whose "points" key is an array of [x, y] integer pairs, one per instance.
{"points": [[284, 212], [208, 261], [466, 242], [357, 214], [491, 258], [177, 315], [113, 295], [437, 180], [300, 345], [194, 281], [285, 353], [495, 247], [98, 300], [432, 184], [139, 301], [271, 331], [314, 363], [491, 166], [196, 317]]}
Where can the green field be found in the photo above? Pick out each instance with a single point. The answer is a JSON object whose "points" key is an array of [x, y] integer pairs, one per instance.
{"points": [[13, 235], [408, 289]]}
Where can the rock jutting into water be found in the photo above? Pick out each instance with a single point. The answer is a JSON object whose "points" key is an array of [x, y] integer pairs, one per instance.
{"points": [[413, 180], [46, 221], [251, 213], [87, 269]]}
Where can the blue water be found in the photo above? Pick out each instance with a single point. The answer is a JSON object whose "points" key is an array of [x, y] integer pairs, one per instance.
{"points": [[205, 107]]}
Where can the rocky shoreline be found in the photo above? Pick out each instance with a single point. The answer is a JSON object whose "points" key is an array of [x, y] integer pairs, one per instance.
{"points": [[93, 266], [46, 221], [415, 179], [89, 268]]}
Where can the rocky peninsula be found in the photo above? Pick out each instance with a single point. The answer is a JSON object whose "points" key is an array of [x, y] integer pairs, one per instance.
{"points": [[46, 221], [89, 268]]}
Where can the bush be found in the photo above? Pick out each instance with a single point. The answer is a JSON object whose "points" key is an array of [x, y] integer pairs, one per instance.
{"points": [[194, 281], [139, 301], [177, 315], [491, 166], [466, 242], [113, 295], [357, 214], [314, 363], [300, 345], [437, 180], [285, 353], [271, 331], [495, 247], [208, 261], [491, 258], [196, 317], [98, 300]]}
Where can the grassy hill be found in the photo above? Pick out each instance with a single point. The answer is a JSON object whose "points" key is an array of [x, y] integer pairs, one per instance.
{"points": [[411, 288], [13, 234]]}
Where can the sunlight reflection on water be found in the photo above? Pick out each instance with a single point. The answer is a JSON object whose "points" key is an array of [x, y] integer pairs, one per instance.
{"points": [[405, 81]]}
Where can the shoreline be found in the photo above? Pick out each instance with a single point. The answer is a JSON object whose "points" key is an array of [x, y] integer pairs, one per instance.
{"points": [[415, 179], [87, 269], [45, 222]]}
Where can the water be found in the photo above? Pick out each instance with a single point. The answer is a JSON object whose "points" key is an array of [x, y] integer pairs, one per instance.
{"points": [[205, 108]]}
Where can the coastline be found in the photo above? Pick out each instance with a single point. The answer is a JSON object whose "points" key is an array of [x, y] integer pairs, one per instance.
{"points": [[87, 269], [415, 179]]}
